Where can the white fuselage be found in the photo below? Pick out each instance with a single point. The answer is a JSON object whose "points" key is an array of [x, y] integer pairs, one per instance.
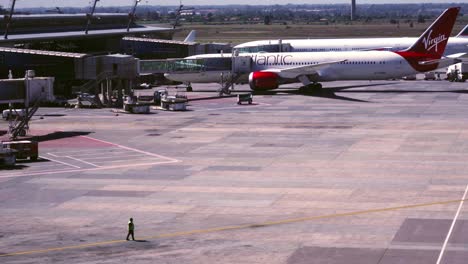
{"points": [[362, 65], [366, 65], [454, 45]]}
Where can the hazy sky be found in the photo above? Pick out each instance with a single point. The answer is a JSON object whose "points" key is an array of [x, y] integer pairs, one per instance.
{"points": [[81, 3]]}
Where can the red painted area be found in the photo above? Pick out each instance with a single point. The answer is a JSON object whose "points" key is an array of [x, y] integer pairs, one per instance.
{"points": [[431, 44], [263, 80], [74, 142], [65, 139]]}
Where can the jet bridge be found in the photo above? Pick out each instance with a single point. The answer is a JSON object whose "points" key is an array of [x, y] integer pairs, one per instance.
{"points": [[184, 65], [226, 69]]}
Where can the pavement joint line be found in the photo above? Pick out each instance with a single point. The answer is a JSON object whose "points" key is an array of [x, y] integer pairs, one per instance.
{"points": [[442, 251], [238, 227]]}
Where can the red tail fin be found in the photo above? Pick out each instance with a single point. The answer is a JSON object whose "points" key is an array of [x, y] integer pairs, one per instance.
{"points": [[433, 41]]}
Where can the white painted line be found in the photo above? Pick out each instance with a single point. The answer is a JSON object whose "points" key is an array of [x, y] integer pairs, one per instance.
{"points": [[101, 157], [442, 251], [132, 160], [90, 151], [61, 162], [52, 154], [89, 169], [137, 150], [89, 163], [103, 154], [79, 169], [40, 165]]}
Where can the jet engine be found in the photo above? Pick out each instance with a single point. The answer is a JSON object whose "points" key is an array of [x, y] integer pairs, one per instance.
{"points": [[263, 80]]}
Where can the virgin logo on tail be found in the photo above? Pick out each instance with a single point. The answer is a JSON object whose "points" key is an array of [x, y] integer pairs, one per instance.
{"points": [[430, 43]]}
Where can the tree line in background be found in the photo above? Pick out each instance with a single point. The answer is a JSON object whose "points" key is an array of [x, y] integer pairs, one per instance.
{"points": [[284, 14]]}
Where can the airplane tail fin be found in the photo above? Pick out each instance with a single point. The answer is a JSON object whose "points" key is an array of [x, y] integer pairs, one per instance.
{"points": [[433, 41], [191, 36], [463, 33]]}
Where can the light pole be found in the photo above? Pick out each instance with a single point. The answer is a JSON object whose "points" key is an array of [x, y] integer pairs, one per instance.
{"points": [[12, 9], [90, 16], [131, 15], [353, 10]]}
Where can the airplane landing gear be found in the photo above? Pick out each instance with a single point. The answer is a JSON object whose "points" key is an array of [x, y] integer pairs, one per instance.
{"points": [[189, 88], [224, 91]]}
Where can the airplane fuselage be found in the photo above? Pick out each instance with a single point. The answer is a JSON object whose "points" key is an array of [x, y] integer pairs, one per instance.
{"points": [[454, 45], [364, 65]]}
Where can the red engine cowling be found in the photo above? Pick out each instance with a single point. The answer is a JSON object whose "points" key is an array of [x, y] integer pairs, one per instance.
{"points": [[263, 80]]}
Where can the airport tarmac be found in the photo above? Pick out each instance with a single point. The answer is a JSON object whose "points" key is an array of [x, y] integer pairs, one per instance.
{"points": [[363, 172]]}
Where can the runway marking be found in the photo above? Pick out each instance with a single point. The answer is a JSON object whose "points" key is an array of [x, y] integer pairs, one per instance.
{"points": [[146, 159], [84, 152], [132, 149], [165, 159], [98, 155], [442, 251], [80, 160], [237, 227], [88, 169], [61, 162]]}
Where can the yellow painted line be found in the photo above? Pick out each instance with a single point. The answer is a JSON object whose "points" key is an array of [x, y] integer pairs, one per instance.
{"points": [[237, 227]]}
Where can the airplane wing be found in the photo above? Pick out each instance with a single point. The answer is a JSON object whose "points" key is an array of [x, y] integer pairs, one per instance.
{"points": [[458, 55], [453, 58], [297, 71]]}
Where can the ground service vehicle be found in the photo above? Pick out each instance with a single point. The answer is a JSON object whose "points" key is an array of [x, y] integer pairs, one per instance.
{"points": [[23, 148]]}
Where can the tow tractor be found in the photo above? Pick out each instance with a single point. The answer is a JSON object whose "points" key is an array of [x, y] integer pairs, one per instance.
{"points": [[23, 149], [244, 98]]}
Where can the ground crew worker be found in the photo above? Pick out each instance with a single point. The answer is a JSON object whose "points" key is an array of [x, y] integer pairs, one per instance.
{"points": [[131, 229]]}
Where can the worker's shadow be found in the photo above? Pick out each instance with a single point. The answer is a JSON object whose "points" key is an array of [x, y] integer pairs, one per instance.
{"points": [[140, 240]]}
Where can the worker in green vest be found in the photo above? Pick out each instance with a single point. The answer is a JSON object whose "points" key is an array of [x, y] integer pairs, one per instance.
{"points": [[131, 229]]}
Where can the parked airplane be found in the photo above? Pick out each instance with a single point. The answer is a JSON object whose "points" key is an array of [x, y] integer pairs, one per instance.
{"points": [[269, 70], [456, 44]]}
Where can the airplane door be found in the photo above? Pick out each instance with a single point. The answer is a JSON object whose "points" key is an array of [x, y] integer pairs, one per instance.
{"points": [[242, 64], [286, 47]]}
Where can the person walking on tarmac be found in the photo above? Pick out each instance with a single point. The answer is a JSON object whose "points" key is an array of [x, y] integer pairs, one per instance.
{"points": [[131, 229]]}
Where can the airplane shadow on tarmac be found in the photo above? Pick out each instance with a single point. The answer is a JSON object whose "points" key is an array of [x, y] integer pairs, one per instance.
{"points": [[329, 92], [58, 135]]}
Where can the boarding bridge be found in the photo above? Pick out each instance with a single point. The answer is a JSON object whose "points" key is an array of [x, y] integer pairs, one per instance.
{"points": [[184, 65], [230, 68]]}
